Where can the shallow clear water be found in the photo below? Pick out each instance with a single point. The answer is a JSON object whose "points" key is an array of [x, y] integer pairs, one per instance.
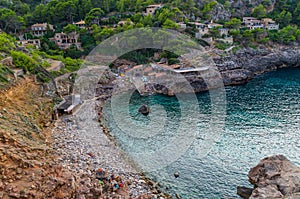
{"points": [[262, 119]]}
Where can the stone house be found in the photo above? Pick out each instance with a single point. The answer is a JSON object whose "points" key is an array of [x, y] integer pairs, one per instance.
{"points": [[212, 25], [182, 25], [33, 42], [224, 31], [247, 20], [152, 8], [252, 23], [65, 41], [39, 30], [270, 24], [198, 25], [123, 22]]}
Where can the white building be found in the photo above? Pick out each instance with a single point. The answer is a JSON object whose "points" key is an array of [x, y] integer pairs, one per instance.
{"points": [[182, 25], [270, 24]]}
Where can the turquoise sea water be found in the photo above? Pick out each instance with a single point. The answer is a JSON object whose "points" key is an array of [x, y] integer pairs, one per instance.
{"points": [[262, 119]]}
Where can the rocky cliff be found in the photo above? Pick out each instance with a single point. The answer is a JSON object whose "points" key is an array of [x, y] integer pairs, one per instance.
{"points": [[235, 8], [240, 67], [233, 68], [237, 68], [274, 177]]}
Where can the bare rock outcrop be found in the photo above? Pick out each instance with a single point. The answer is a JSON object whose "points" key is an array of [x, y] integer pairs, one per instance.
{"points": [[275, 177], [8, 61]]}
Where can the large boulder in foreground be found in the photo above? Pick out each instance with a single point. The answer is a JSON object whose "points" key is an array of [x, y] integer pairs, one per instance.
{"points": [[275, 177]]}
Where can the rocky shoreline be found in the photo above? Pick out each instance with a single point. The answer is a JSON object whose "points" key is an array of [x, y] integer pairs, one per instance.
{"points": [[274, 177], [242, 66], [245, 64], [231, 68]]}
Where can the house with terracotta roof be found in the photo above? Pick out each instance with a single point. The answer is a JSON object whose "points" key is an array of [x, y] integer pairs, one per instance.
{"points": [[80, 24]]}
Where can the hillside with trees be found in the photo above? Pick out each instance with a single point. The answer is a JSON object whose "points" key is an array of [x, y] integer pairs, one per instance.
{"points": [[104, 18]]}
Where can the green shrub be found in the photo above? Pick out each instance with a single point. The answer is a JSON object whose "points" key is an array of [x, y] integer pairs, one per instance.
{"points": [[173, 61], [21, 60], [6, 43], [4, 71], [72, 64], [221, 45]]}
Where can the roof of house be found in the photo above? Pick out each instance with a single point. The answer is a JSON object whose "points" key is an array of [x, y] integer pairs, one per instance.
{"points": [[249, 18], [80, 22], [41, 25], [197, 23], [154, 6]]}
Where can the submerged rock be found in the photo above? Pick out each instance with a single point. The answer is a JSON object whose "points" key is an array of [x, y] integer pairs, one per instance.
{"points": [[275, 177], [145, 110], [176, 174], [244, 192]]}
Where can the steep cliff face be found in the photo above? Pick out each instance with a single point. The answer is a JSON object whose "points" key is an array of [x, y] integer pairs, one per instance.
{"points": [[244, 7], [235, 8], [239, 68], [220, 13], [242, 66]]}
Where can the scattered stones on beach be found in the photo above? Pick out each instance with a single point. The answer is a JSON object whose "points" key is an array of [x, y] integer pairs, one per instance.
{"points": [[92, 156]]}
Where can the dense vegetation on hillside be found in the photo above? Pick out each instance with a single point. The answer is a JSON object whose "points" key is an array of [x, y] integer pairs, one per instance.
{"points": [[103, 16], [29, 60]]}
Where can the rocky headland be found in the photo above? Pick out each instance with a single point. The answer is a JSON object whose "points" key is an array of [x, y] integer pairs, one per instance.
{"points": [[274, 177], [234, 68], [242, 66]]}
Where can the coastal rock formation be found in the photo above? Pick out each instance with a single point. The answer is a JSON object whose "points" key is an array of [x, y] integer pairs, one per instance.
{"points": [[275, 177], [220, 13], [144, 109], [8, 61], [237, 8], [242, 66], [232, 68], [247, 63]]}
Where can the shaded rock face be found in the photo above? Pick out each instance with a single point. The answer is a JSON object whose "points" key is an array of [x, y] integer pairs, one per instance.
{"points": [[219, 13], [244, 192], [8, 61], [238, 8], [245, 64], [275, 177], [231, 68], [242, 66]]}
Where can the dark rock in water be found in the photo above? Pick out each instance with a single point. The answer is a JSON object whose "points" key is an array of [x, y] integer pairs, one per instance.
{"points": [[145, 110], [275, 177], [176, 174], [244, 192]]}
